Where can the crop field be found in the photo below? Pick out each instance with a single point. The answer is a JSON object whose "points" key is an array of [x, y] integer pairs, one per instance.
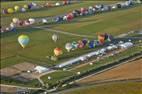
{"points": [[131, 70], [117, 88]]}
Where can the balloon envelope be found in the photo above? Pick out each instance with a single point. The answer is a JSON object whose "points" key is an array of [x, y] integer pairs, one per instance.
{"points": [[101, 39], [25, 6], [16, 8], [23, 40], [91, 44], [68, 46], [54, 37], [74, 45], [10, 10], [58, 51], [15, 20]]}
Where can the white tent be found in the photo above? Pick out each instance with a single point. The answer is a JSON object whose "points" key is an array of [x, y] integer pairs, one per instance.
{"points": [[41, 69], [126, 45]]}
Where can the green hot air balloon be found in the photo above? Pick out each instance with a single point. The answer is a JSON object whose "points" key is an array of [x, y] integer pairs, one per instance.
{"points": [[23, 40]]}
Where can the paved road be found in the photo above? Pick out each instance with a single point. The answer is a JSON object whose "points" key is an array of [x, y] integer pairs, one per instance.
{"points": [[64, 32]]}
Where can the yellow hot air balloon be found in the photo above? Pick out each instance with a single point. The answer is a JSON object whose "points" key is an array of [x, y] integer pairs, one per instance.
{"points": [[15, 20], [23, 40], [17, 8], [25, 6], [10, 10]]}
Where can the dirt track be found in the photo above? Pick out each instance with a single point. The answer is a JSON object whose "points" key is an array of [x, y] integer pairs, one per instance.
{"points": [[131, 70]]}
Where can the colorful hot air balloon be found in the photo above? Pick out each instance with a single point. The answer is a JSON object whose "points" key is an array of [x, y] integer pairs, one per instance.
{"points": [[101, 39], [74, 45], [68, 46], [80, 44], [85, 41], [54, 37], [58, 51], [23, 40], [91, 44]]}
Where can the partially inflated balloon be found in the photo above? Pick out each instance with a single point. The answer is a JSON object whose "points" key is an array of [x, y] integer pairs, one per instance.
{"points": [[23, 40]]}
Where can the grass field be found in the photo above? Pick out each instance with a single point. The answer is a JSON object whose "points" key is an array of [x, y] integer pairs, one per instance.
{"points": [[119, 22], [114, 88]]}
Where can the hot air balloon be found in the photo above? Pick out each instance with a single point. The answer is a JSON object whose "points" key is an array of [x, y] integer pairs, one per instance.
{"points": [[80, 44], [23, 9], [4, 11], [16, 8], [91, 44], [74, 45], [68, 46], [54, 37], [23, 40], [101, 39], [15, 20], [31, 20], [25, 6], [44, 21], [10, 10], [69, 17], [85, 41], [58, 51]]}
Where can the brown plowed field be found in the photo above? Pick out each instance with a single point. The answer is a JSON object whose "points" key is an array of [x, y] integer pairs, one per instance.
{"points": [[131, 70]]}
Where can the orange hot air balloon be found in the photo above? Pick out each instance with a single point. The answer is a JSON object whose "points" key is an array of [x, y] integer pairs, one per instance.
{"points": [[101, 39], [58, 51]]}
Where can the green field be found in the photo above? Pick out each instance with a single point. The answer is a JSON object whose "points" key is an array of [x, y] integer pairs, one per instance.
{"points": [[119, 22], [112, 88]]}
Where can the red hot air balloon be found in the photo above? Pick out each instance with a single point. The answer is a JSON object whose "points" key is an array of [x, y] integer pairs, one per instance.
{"points": [[58, 51], [69, 17]]}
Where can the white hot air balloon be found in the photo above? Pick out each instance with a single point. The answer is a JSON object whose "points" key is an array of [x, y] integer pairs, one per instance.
{"points": [[31, 20], [44, 21], [15, 20], [68, 46], [54, 37]]}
